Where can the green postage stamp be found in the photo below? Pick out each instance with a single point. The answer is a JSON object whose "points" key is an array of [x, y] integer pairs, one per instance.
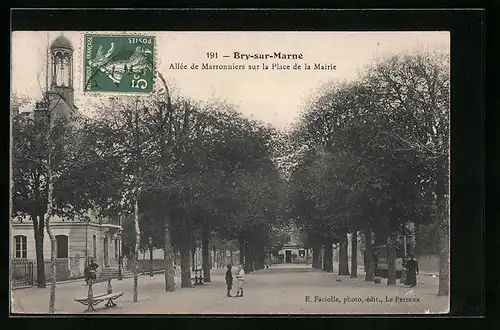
{"points": [[118, 63]]}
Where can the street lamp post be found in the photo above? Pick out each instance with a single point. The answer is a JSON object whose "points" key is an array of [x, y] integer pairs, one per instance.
{"points": [[86, 240], [150, 256], [120, 255], [87, 221], [120, 261]]}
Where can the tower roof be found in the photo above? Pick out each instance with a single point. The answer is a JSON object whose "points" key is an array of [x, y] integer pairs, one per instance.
{"points": [[61, 42]]}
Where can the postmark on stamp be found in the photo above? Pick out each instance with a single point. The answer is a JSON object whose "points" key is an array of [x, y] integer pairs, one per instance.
{"points": [[118, 63]]}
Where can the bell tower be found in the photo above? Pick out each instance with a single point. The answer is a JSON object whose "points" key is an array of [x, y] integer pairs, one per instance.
{"points": [[61, 68]]}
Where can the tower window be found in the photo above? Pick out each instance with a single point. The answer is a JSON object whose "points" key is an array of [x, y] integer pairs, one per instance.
{"points": [[61, 62]]}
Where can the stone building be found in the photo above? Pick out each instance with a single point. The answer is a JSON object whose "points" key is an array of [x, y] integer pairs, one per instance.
{"points": [[76, 239]]}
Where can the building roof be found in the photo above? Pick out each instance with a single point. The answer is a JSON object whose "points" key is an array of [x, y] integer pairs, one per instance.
{"points": [[61, 42]]}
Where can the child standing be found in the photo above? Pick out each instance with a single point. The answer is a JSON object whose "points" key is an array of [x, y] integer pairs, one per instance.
{"points": [[240, 280], [229, 280]]}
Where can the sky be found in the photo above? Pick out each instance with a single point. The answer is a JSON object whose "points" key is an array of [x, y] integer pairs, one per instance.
{"points": [[272, 96]]}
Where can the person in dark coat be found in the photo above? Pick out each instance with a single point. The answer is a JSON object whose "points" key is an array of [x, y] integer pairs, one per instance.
{"points": [[91, 270], [229, 280], [412, 271]]}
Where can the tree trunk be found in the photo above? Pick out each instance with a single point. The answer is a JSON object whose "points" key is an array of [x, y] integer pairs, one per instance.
{"points": [[323, 265], [444, 231], [38, 226], [343, 259], [354, 254], [256, 264], [151, 249], [252, 255], [368, 257], [257, 257], [215, 257], [193, 252], [444, 255], [247, 257], [143, 265], [205, 233], [53, 250], [168, 258], [260, 257], [391, 253], [242, 250], [264, 257], [322, 258], [328, 259], [136, 249], [444, 267], [185, 249], [231, 255], [319, 260], [315, 256], [53, 243], [193, 256], [222, 254]]}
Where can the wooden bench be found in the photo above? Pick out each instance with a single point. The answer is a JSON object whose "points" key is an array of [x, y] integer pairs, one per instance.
{"points": [[92, 300], [198, 276]]}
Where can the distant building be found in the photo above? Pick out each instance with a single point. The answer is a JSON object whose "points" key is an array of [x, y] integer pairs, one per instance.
{"points": [[76, 239], [294, 250]]}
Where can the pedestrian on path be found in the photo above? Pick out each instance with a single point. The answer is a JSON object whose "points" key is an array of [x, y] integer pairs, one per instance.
{"points": [[240, 280], [90, 270], [229, 280], [412, 271]]}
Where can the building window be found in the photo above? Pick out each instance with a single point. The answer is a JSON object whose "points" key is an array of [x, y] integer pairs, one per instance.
{"points": [[21, 246], [62, 246], [302, 253], [288, 239], [94, 247]]}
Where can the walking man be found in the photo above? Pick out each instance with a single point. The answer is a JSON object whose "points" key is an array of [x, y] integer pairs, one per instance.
{"points": [[240, 280], [229, 280], [412, 271]]}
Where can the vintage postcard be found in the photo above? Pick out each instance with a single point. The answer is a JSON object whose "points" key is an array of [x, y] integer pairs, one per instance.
{"points": [[276, 172]]}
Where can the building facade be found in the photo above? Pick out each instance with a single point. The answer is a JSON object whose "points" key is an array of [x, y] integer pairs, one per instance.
{"points": [[76, 240]]}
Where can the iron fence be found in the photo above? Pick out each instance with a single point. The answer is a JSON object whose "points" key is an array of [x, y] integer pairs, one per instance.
{"points": [[22, 272]]}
